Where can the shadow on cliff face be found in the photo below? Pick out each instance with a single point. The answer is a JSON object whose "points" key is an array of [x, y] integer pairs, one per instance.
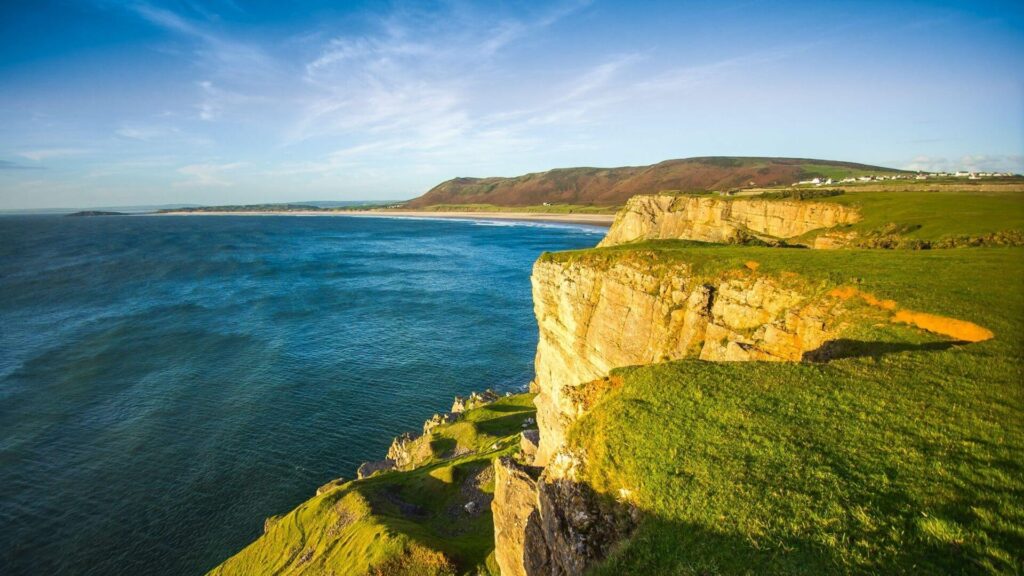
{"points": [[849, 348]]}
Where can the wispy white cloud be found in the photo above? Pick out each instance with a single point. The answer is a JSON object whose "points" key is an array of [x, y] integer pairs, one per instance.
{"points": [[146, 132], [421, 97], [223, 59], [49, 153], [215, 49], [208, 175]]}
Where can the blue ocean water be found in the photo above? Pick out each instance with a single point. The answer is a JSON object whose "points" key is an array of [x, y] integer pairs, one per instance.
{"points": [[166, 383]]}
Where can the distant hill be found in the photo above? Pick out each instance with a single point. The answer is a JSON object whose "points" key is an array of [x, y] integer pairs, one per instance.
{"points": [[613, 186]]}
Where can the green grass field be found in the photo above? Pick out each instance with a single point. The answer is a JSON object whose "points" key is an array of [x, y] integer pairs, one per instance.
{"points": [[905, 457], [936, 215]]}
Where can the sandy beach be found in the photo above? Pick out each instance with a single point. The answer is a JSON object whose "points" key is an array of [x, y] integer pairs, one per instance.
{"points": [[590, 219]]}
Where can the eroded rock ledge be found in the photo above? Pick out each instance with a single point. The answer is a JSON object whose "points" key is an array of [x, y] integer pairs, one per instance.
{"points": [[709, 219]]}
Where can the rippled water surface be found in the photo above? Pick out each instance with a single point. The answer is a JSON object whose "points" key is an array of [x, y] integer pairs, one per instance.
{"points": [[167, 383]]}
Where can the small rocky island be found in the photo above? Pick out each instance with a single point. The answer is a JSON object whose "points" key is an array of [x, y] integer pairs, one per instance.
{"points": [[95, 213]]}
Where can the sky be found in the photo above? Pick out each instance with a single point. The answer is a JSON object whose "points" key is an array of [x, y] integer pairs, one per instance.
{"points": [[108, 103]]}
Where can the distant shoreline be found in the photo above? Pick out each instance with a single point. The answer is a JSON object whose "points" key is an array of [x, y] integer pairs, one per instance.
{"points": [[604, 220]]}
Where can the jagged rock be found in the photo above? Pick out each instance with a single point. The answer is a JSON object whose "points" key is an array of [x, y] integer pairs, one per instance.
{"points": [[400, 451], [330, 486], [528, 442], [270, 522], [519, 543], [595, 316], [711, 219], [367, 469], [471, 507], [527, 423], [438, 420], [458, 405], [475, 400], [579, 526], [552, 525]]}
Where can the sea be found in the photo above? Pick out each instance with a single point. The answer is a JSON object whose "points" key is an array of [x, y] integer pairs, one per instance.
{"points": [[167, 383]]}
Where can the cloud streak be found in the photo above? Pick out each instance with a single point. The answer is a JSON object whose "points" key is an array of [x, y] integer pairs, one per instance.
{"points": [[8, 165], [207, 175], [50, 153]]}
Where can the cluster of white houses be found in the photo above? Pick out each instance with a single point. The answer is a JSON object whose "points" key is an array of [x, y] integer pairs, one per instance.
{"points": [[918, 176]]}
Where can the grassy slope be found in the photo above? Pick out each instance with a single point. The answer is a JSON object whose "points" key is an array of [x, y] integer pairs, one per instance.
{"points": [[939, 214], [906, 458], [397, 522], [613, 186]]}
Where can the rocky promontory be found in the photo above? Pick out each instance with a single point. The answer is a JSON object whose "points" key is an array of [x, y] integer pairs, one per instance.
{"points": [[613, 451]]}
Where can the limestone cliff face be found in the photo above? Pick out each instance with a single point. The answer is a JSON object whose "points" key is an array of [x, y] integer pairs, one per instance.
{"points": [[595, 316], [711, 219]]}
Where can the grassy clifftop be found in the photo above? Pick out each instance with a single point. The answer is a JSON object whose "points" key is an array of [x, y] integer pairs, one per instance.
{"points": [[902, 454], [935, 215], [396, 523]]}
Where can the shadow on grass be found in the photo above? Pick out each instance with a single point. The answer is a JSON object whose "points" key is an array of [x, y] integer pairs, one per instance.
{"points": [[508, 408], [430, 511], [443, 447], [848, 348], [504, 425], [664, 546]]}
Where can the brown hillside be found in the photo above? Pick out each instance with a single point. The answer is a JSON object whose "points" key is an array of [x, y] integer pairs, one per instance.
{"points": [[613, 186]]}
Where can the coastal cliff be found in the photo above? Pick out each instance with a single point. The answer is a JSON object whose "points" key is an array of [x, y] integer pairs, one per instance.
{"points": [[721, 406], [709, 219], [595, 316], [698, 316]]}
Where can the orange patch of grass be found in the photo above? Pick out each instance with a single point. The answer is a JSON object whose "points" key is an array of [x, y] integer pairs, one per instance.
{"points": [[752, 265], [957, 329], [844, 292], [951, 327], [883, 304]]}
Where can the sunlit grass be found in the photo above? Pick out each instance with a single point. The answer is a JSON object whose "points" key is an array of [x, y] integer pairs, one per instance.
{"points": [[906, 458]]}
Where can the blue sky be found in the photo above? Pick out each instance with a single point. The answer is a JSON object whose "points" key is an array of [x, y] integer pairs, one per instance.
{"points": [[149, 102]]}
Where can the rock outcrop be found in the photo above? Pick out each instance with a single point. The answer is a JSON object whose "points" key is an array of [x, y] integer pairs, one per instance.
{"points": [[367, 469], [528, 442], [519, 548], [409, 450], [475, 400], [548, 523], [710, 219], [595, 316]]}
